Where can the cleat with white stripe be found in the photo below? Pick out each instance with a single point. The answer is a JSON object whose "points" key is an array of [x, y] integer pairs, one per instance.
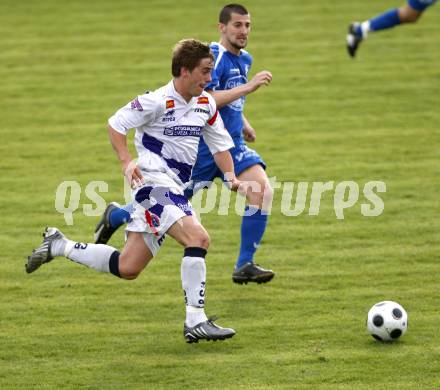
{"points": [[207, 330], [43, 254]]}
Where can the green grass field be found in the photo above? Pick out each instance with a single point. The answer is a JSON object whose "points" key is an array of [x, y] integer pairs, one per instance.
{"points": [[65, 67]]}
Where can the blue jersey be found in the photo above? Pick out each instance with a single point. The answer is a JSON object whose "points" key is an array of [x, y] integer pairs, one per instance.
{"points": [[229, 72]]}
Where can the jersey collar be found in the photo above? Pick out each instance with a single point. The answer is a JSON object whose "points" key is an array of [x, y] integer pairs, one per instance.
{"points": [[227, 51], [172, 93]]}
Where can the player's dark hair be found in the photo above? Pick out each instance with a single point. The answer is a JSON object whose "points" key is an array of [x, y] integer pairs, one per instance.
{"points": [[227, 10], [187, 54]]}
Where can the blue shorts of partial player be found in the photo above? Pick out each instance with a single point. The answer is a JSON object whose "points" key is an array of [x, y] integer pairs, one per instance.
{"points": [[420, 5], [205, 170]]}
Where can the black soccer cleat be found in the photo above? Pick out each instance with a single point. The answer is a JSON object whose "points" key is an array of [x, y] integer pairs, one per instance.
{"points": [[207, 330], [43, 254], [251, 272], [104, 230], [353, 39]]}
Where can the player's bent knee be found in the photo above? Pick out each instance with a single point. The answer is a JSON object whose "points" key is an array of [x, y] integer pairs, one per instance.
{"points": [[190, 233], [129, 277], [198, 237], [268, 192], [201, 240], [408, 14], [128, 268], [262, 198], [129, 274], [416, 18], [412, 18]]}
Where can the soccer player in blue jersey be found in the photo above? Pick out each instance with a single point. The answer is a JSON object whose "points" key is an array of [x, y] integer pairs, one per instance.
{"points": [[408, 13], [229, 87]]}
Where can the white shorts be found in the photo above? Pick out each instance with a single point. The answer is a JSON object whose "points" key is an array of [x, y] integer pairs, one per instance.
{"points": [[155, 209]]}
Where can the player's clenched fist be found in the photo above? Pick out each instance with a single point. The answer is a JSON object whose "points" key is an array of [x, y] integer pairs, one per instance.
{"points": [[261, 78]]}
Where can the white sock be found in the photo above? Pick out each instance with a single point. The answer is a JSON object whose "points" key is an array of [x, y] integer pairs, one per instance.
{"points": [[95, 256], [193, 272], [195, 315], [58, 246], [365, 27]]}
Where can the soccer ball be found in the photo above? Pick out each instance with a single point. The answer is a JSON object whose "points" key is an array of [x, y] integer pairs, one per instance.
{"points": [[387, 321]]}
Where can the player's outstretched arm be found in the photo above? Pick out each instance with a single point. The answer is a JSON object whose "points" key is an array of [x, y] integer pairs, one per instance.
{"points": [[129, 168], [222, 98]]}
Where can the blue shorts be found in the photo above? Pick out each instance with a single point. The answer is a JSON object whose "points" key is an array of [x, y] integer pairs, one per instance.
{"points": [[205, 170], [420, 5]]}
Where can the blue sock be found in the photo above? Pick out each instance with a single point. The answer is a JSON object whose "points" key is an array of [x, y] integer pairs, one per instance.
{"points": [[120, 216], [386, 20], [253, 226]]}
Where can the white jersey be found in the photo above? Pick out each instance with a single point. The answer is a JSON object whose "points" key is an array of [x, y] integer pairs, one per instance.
{"points": [[168, 130]]}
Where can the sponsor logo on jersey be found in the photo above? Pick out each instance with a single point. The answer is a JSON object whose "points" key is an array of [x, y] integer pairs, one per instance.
{"points": [[182, 131], [203, 100], [201, 110], [234, 70], [169, 116], [135, 105], [235, 82], [169, 104], [237, 105]]}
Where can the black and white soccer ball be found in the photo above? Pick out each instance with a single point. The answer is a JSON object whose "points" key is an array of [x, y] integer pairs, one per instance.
{"points": [[387, 321]]}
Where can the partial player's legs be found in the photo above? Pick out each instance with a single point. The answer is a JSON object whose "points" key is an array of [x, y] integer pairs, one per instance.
{"points": [[191, 234], [409, 13], [259, 197]]}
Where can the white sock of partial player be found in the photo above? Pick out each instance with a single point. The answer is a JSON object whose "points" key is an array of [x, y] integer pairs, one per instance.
{"points": [[103, 258], [193, 272], [365, 28]]}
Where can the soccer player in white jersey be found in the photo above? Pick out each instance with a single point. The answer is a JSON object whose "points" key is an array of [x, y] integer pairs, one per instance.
{"points": [[169, 123], [229, 87], [408, 13]]}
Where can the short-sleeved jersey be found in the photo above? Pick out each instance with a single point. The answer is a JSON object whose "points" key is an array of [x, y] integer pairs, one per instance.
{"points": [[168, 130], [229, 72]]}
